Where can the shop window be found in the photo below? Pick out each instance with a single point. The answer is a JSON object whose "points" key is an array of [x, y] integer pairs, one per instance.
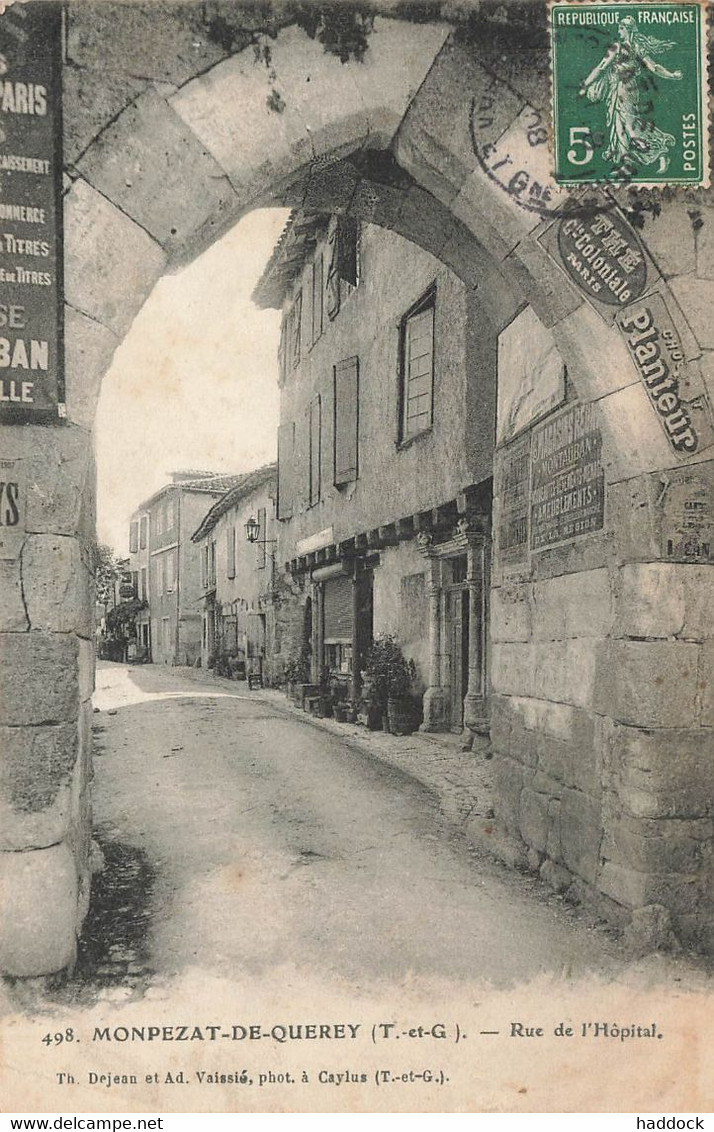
{"points": [[417, 368]]}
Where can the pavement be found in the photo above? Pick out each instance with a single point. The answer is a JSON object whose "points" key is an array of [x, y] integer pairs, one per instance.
{"points": [[241, 832], [462, 781]]}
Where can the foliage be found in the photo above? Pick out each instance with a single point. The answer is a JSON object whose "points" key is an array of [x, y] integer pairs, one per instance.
{"points": [[121, 621], [342, 29], [297, 670], [107, 570], [387, 672]]}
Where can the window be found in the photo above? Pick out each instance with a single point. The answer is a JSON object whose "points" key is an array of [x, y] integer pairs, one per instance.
{"points": [[286, 458], [346, 423], [160, 519], [135, 582], [144, 590], [170, 570], [144, 532], [231, 552], [133, 538], [158, 577], [314, 437], [417, 368]]}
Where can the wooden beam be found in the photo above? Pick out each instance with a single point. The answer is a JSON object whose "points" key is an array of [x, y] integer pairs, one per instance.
{"points": [[388, 535], [405, 528]]}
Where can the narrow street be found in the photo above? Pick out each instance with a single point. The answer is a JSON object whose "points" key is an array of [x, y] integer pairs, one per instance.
{"points": [[258, 839]]}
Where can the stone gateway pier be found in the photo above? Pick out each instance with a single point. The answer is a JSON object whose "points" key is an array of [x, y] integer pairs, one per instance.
{"points": [[594, 331]]}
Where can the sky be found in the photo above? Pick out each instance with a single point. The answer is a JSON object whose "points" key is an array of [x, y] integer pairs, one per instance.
{"points": [[194, 383]]}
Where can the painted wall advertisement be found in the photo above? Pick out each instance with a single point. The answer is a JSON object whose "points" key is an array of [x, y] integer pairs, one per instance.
{"points": [[552, 484], [31, 362]]}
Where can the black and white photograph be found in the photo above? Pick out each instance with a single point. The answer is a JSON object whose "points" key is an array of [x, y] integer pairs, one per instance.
{"points": [[356, 545]]}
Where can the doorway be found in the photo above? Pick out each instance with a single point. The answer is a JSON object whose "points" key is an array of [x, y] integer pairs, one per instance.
{"points": [[458, 624]]}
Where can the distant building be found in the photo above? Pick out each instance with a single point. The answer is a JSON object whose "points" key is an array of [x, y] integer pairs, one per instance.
{"points": [[238, 576], [385, 458], [165, 564]]}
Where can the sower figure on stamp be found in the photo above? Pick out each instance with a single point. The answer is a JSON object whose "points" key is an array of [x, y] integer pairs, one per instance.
{"points": [[633, 140]]}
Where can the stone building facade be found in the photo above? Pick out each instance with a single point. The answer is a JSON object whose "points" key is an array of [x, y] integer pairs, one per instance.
{"points": [[602, 633], [166, 522], [385, 458], [238, 577]]}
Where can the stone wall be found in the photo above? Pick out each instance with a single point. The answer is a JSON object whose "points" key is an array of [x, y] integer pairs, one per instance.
{"points": [[47, 676]]}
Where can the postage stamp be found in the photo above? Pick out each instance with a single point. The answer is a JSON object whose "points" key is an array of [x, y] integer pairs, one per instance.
{"points": [[630, 96]]}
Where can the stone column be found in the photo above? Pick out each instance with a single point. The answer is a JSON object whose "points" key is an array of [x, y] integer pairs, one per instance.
{"points": [[436, 706], [476, 715]]}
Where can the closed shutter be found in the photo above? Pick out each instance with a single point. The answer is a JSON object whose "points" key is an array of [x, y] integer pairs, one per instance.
{"points": [[231, 551], [286, 446], [318, 289], [262, 536], [332, 278], [338, 611], [346, 420], [308, 299], [347, 232], [315, 450]]}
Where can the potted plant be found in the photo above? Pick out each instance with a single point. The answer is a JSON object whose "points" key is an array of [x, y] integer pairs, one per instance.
{"points": [[296, 674], [390, 676], [370, 709]]}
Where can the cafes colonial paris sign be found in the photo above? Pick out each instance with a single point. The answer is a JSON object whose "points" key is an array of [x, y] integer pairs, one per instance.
{"points": [[31, 296]]}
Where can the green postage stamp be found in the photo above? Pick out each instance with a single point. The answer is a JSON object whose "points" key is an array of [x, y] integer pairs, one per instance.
{"points": [[630, 93]]}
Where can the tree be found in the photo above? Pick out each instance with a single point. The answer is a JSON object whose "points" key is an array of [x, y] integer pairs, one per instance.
{"points": [[107, 571]]}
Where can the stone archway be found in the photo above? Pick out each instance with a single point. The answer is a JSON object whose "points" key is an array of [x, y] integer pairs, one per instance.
{"points": [[603, 777]]}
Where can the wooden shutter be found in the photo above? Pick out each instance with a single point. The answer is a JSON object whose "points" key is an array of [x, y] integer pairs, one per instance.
{"points": [[286, 471], [318, 290], [261, 548], [295, 327], [133, 538], [315, 412], [231, 551], [347, 230], [338, 611], [332, 279], [346, 376], [307, 290]]}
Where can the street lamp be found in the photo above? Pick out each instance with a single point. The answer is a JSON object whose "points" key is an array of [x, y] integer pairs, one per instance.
{"points": [[252, 529], [252, 533]]}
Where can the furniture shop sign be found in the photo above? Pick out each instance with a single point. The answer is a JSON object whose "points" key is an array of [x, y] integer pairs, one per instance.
{"points": [[31, 327], [567, 477]]}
